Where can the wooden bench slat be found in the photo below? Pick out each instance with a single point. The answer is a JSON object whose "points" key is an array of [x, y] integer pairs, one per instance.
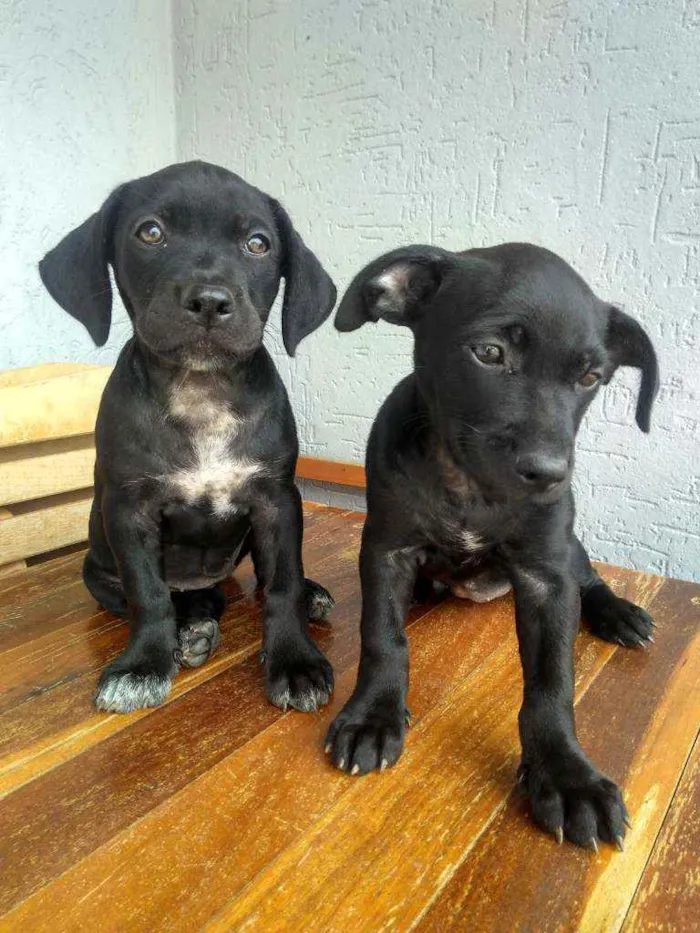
{"points": [[46, 528], [33, 471], [637, 723], [668, 894], [55, 406]]}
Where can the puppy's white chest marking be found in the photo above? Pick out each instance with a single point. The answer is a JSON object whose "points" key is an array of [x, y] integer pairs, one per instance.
{"points": [[471, 541], [213, 472]]}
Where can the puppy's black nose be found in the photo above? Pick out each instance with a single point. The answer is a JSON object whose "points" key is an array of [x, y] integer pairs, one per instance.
{"points": [[542, 471], [207, 303]]}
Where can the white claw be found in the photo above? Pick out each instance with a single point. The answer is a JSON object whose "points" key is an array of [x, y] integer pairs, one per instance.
{"points": [[355, 769]]}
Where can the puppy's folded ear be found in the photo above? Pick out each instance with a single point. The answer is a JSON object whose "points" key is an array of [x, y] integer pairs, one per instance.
{"points": [[393, 287], [629, 345], [76, 273], [309, 292]]}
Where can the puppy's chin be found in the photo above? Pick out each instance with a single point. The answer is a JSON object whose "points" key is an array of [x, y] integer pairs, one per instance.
{"points": [[205, 354]]}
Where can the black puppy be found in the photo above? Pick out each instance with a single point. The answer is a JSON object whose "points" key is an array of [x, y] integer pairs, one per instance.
{"points": [[468, 466], [196, 441]]}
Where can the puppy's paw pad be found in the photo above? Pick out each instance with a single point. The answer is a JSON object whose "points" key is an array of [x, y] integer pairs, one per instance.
{"points": [[319, 601], [360, 744], [304, 683], [125, 691], [621, 622], [584, 808], [198, 641]]}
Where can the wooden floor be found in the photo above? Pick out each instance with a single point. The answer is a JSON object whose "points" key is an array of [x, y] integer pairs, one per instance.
{"points": [[219, 812]]}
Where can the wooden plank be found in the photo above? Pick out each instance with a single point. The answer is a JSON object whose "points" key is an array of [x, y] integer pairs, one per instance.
{"points": [[332, 471], [38, 582], [51, 602], [17, 566], [59, 405], [27, 375], [44, 706], [14, 567], [46, 528], [668, 896], [456, 771], [637, 722], [103, 790], [238, 837], [32, 471]]}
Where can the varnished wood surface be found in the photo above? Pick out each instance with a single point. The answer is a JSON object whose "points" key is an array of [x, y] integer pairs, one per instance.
{"points": [[219, 812]]}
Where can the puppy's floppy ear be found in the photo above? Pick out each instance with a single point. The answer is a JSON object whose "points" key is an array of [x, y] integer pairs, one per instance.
{"points": [[76, 273], [309, 292], [393, 287], [629, 345]]}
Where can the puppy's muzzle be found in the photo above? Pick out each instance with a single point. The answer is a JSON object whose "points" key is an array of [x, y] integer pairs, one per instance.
{"points": [[208, 305], [542, 472]]}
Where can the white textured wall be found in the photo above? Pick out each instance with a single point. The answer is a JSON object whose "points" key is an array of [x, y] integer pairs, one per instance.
{"points": [[571, 124], [86, 102], [575, 125]]}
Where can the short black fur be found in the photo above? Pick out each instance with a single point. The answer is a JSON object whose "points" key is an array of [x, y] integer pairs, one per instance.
{"points": [[196, 441], [469, 465]]}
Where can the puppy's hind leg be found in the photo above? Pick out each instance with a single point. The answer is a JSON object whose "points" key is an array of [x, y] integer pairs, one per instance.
{"points": [[608, 616], [198, 613], [105, 588]]}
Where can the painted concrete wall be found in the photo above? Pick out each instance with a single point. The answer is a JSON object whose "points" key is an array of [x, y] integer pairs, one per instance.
{"points": [[86, 102], [571, 124]]}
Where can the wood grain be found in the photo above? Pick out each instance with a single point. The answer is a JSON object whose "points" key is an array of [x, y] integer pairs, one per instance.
{"points": [[637, 722], [219, 812], [237, 838], [32, 471], [47, 698], [54, 523], [332, 471], [38, 405], [668, 895]]}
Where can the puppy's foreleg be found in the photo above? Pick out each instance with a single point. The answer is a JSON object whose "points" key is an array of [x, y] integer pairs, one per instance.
{"points": [[369, 731], [140, 676], [298, 674], [608, 616], [568, 795]]}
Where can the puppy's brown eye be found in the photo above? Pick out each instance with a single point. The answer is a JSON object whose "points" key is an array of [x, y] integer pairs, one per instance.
{"points": [[490, 354], [151, 233], [589, 380], [258, 245]]}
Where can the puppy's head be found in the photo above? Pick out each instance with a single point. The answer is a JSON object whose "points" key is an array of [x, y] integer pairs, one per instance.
{"points": [[197, 256], [511, 347]]}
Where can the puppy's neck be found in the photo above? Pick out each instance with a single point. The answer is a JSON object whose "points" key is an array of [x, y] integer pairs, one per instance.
{"points": [[456, 480]]}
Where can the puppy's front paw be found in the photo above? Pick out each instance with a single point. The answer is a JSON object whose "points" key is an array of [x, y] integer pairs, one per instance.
{"points": [[319, 601], [615, 619], [571, 799], [135, 680], [198, 641], [298, 675], [368, 733]]}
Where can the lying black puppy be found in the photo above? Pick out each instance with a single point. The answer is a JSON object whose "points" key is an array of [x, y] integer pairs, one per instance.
{"points": [[196, 441], [468, 468]]}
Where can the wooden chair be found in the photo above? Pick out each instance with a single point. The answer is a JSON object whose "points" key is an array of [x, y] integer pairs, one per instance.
{"points": [[47, 455]]}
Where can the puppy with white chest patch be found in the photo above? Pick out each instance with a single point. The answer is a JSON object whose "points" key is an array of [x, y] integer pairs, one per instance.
{"points": [[196, 441], [469, 465]]}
